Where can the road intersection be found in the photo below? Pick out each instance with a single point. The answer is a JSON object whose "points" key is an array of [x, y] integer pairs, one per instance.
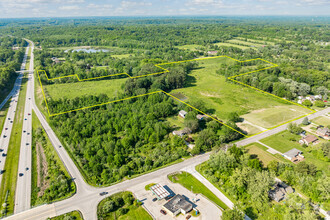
{"points": [[87, 197]]}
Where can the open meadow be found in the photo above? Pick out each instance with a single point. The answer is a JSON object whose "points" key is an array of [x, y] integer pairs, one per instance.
{"points": [[222, 97]]}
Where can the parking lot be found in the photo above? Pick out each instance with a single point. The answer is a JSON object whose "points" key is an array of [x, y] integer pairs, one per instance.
{"points": [[206, 208]]}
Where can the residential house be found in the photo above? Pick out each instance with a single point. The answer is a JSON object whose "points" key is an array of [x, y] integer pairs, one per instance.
{"points": [[294, 155], [280, 191], [178, 204], [182, 113], [309, 139], [201, 117], [323, 132]]}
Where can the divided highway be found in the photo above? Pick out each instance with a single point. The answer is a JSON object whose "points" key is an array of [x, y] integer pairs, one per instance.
{"points": [[23, 186], [87, 197], [9, 121]]}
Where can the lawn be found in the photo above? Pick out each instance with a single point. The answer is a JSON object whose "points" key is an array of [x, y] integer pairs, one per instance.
{"points": [[222, 97], [192, 47], [261, 153], [190, 182], [322, 120], [233, 45], [133, 211], [9, 177], [120, 56], [284, 141], [269, 117], [250, 129], [176, 122], [75, 215], [3, 114], [109, 87]]}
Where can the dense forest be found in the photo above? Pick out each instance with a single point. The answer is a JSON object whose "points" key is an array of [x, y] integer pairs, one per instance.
{"points": [[10, 61]]}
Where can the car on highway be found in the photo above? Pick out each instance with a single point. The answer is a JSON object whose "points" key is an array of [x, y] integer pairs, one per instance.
{"points": [[8, 118], [6, 129], [20, 174], [29, 113], [103, 193], [3, 154], [24, 131], [11, 121], [4, 136], [25, 119], [1, 150], [1, 171], [163, 212], [27, 169], [27, 143]]}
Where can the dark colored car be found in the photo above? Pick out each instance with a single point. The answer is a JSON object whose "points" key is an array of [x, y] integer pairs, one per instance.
{"points": [[20, 174], [163, 212], [6, 129], [27, 169], [3, 154], [154, 199], [29, 113], [103, 193], [24, 131], [1, 150], [27, 143]]}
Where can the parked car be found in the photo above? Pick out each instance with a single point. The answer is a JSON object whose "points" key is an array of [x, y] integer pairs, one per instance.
{"points": [[163, 212], [154, 199], [103, 193], [188, 217]]}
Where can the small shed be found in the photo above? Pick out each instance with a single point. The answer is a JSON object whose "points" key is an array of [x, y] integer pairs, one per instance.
{"points": [[182, 113]]}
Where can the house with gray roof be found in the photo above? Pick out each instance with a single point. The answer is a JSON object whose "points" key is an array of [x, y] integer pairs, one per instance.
{"points": [[178, 204]]}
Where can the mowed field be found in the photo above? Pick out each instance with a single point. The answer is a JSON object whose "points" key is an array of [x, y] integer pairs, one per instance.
{"points": [[259, 151], [192, 47], [269, 117], [222, 97], [233, 45], [71, 90], [322, 120]]}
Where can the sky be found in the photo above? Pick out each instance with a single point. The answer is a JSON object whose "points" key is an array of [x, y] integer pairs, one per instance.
{"points": [[73, 8]]}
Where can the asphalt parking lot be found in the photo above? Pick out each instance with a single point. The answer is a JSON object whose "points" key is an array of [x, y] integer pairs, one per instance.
{"points": [[206, 208]]}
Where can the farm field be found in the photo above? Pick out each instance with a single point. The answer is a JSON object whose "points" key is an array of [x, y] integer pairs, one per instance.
{"points": [[247, 43], [233, 45], [189, 181], [269, 117], [261, 153], [285, 141], [71, 90], [262, 42], [322, 120], [222, 97]]}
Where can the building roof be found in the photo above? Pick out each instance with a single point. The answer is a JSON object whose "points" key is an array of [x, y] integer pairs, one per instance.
{"points": [[182, 112], [178, 202], [310, 138], [323, 130], [159, 191], [182, 132], [292, 153]]}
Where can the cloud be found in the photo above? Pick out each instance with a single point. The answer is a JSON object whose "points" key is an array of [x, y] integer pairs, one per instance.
{"points": [[132, 4], [69, 7]]}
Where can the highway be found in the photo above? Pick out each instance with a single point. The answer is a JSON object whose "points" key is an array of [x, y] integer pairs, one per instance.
{"points": [[10, 117], [23, 186], [87, 197]]}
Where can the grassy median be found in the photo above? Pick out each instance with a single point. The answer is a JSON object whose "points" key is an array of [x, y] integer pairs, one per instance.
{"points": [[9, 177]]}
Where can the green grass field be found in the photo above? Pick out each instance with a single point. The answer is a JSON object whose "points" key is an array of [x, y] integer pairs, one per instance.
{"points": [[135, 212], [189, 181], [9, 177], [261, 153], [223, 97], [245, 43], [71, 90], [233, 45], [261, 42], [269, 117], [250, 129], [75, 215], [192, 47], [176, 122], [285, 141], [3, 114], [322, 120], [120, 56]]}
